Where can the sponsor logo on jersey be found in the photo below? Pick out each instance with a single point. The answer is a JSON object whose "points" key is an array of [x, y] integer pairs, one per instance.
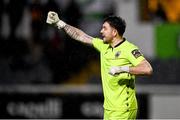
{"points": [[136, 53]]}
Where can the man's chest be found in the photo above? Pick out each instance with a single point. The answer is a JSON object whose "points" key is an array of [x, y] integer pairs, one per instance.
{"points": [[114, 57]]}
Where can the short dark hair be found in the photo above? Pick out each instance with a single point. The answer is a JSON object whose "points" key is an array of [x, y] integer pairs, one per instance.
{"points": [[116, 22]]}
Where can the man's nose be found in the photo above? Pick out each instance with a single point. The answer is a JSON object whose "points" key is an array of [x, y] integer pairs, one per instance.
{"points": [[101, 31]]}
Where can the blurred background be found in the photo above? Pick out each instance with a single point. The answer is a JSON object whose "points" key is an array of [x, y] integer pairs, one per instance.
{"points": [[46, 74]]}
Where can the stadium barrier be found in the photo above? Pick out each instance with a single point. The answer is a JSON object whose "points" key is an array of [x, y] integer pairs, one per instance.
{"points": [[66, 101]]}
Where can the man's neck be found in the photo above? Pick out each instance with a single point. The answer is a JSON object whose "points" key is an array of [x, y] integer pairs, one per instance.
{"points": [[116, 41]]}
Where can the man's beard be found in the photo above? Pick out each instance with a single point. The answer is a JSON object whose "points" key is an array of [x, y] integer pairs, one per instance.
{"points": [[105, 41]]}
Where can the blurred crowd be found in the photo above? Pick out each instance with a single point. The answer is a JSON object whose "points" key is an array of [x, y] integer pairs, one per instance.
{"points": [[33, 52], [161, 10]]}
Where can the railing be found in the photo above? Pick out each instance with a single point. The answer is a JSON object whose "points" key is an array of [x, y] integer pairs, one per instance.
{"points": [[96, 88]]}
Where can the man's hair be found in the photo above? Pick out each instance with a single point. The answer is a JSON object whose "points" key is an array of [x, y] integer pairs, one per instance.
{"points": [[116, 22]]}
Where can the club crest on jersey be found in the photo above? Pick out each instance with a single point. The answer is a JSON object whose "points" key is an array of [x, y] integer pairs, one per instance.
{"points": [[136, 53], [117, 54]]}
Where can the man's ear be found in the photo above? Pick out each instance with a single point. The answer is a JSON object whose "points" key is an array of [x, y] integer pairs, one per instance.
{"points": [[115, 33]]}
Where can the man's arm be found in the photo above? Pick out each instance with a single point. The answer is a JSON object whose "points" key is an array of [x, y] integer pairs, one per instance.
{"points": [[73, 32], [143, 68], [77, 34]]}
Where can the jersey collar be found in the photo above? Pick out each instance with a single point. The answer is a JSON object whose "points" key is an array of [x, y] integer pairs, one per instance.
{"points": [[124, 39]]}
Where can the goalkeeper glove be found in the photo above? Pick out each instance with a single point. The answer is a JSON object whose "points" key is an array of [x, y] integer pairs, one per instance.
{"points": [[116, 70], [52, 18]]}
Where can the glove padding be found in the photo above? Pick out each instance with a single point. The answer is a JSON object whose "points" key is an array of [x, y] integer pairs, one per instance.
{"points": [[116, 70], [52, 18]]}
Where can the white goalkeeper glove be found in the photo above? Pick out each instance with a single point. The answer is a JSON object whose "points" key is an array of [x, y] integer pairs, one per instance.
{"points": [[52, 18], [116, 70]]}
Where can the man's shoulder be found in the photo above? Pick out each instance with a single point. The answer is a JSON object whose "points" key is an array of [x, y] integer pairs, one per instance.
{"points": [[99, 44], [129, 46]]}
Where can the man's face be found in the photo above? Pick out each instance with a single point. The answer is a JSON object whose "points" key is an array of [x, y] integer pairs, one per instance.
{"points": [[107, 32]]}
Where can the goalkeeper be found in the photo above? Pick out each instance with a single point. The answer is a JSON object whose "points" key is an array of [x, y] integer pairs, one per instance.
{"points": [[121, 61]]}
